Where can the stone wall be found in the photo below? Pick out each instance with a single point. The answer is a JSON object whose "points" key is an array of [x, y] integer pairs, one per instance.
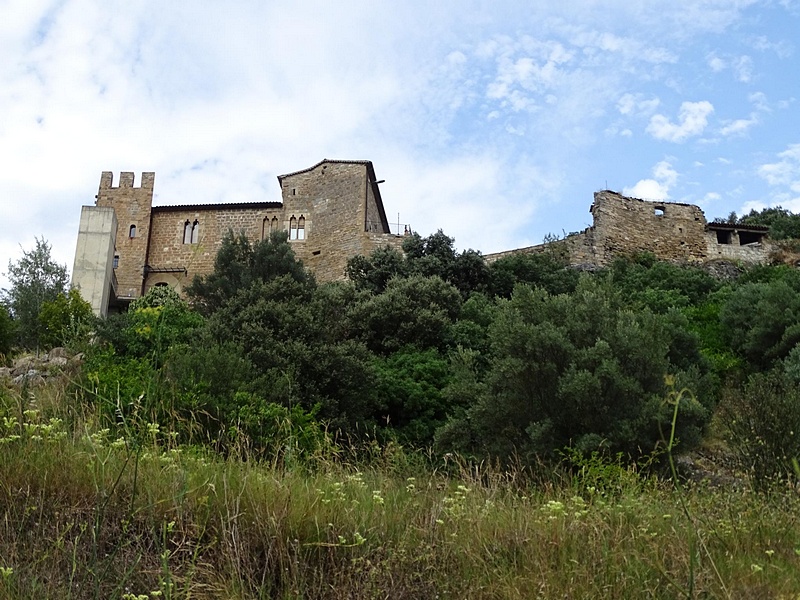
{"points": [[672, 231], [175, 260], [624, 226]]}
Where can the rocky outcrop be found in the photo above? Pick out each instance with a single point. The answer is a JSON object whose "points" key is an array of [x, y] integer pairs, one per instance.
{"points": [[33, 370]]}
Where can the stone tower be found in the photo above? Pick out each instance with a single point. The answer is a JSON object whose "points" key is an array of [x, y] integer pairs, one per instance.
{"points": [[133, 207]]}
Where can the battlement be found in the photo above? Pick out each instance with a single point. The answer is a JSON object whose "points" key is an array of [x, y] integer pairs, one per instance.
{"points": [[126, 180]]}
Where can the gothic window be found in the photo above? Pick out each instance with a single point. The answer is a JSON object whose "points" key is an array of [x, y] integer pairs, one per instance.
{"points": [[274, 225], [292, 228], [195, 231], [187, 232], [301, 228], [132, 232]]}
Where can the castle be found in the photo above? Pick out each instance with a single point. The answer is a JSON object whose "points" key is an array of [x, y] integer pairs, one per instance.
{"points": [[334, 211]]}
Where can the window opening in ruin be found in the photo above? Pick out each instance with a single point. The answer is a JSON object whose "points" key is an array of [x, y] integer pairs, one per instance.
{"points": [[274, 225], [116, 260], [264, 225], [294, 191], [195, 231], [161, 284], [659, 211], [316, 252], [132, 232], [292, 228], [301, 228], [187, 232], [723, 237], [749, 237]]}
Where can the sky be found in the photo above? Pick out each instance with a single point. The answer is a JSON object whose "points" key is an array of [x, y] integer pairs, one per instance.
{"points": [[493, 120]]}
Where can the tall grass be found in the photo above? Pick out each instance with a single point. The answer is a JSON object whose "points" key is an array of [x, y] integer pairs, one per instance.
{"points": [[88, 512]]}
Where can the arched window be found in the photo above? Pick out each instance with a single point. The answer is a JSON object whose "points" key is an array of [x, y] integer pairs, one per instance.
{"points": [[132, 232], [301, 228], [273, 225], [195, 231], [187, 232], [292, 228]]}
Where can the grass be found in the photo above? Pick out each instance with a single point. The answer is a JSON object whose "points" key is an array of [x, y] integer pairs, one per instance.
{"points": [[90, 513]]}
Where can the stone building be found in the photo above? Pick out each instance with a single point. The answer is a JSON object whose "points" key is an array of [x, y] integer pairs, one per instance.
{"points": [[332, 211], [671, 231]]}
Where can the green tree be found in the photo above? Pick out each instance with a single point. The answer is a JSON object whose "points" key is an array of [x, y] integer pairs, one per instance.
{"points": [[579, 370], [239, 264], [548, 270], [7, 333], [66, 321], [35, 279]]}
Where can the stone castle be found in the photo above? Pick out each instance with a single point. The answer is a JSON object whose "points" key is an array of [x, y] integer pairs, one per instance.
{"points": [[334, 211]]}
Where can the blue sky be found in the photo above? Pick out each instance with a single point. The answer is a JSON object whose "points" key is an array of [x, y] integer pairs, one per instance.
{"points": [[495, 121]]}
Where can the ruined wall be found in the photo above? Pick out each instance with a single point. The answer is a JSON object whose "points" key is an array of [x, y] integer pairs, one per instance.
{"points": [[672, 231], [624, 226], [132, 206]]}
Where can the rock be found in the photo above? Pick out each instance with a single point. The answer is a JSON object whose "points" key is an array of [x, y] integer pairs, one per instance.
{"points": [[5, 372], [58, 352], [22, 366], [58, 361], [31, 377]]}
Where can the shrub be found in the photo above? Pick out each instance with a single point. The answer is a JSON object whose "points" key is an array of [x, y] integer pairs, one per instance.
{"points": [[762, 424]]}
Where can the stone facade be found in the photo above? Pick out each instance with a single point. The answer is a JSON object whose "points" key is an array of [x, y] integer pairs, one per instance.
{"points": [[332, 211], [671, 231]]}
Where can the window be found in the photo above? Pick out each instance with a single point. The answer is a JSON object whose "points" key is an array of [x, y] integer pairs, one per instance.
{"points": [[132, 232], [292, 228], [116, 260], [191, 232], [301, 228], [659, 211], [723, 237]]}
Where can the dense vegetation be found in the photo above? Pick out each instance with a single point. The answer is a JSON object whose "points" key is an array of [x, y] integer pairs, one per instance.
{"points": [[376, 404]]}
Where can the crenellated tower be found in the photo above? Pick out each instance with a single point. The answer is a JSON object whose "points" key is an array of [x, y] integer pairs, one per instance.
{"points": [[133, 207]]}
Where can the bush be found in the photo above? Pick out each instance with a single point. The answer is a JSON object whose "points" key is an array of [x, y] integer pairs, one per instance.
{"points": [[66, 321], [762, 423]]}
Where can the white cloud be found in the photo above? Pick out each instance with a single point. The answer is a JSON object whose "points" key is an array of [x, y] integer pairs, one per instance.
{"points": [[716, 63], [739, 126], [656, 188], [785, 172], [692, 121], [743, 68]]}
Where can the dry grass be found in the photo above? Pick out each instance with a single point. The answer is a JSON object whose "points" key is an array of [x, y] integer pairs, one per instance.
{"points": [[84, 514]]}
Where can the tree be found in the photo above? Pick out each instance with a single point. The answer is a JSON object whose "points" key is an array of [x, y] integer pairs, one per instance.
{"points": [[6, 332], [66, 320], [579, 370], [35, 279], [239, 264]]}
